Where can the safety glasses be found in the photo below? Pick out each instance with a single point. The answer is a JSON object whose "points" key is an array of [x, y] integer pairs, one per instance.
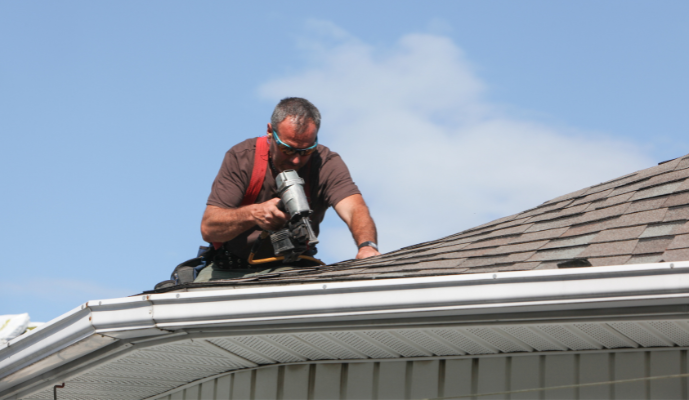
{"points": [[289, 150]]}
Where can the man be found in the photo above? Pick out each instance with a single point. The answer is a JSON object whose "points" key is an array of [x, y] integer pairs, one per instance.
{"points": [[293, 144]]}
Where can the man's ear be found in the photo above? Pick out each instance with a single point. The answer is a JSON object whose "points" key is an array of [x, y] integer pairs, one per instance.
{"points": [[270, 129]]}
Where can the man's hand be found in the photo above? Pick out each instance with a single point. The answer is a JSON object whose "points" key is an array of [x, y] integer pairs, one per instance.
{"points": [[367, 251], [223, 224], [268, 216]]}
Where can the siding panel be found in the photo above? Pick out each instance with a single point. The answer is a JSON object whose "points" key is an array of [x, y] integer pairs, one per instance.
{"points": [[594, 368], [665, 363], [296, 382], [266, 383], [391, 380], [457, 377], [242, 385], [424, 380], [192, 393], [560, 370], [208, 389], [327, 382], [223, 389], [525, 374], [360, 381], [629, 366], [492, 376]]}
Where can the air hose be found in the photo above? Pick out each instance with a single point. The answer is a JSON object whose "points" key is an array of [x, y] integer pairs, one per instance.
{"points": [[264, 235]]}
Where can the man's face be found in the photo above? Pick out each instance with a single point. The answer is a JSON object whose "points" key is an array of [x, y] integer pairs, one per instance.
{"points": [[287, 131]]}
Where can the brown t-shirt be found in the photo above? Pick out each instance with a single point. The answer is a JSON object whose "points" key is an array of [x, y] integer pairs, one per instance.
{"points": [[327, 177]]}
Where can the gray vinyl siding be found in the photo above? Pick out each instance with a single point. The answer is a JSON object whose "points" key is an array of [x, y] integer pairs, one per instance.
{"points": [[423, 379]]}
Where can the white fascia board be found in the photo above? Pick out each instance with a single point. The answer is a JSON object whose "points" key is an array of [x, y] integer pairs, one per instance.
{"points": [[461, 294], [139, 317]]}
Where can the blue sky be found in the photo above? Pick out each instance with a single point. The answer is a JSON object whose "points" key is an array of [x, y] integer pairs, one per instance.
{"points": [[114, 118]]}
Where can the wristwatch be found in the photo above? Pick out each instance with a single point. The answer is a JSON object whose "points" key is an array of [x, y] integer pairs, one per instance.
{"points": [[369, 243]]}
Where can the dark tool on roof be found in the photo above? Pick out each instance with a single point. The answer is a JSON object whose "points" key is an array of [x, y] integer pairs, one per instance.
{"points": [[297, 237], [574, 263]]}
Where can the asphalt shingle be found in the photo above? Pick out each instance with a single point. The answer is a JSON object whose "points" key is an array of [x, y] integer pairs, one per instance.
{"points": [[558, 254], [677, 199], [613, 235], [510, 231], [676, 255], [546, 207], [656, 191], [610, 201], [653, 245], [684, 163], [569, 241], [603, 213], [646, 204], [556, 223], [540, 235], [682, 229], [646, 259], [490, 242], [670, 176], [517, 248], [610, 249], [643, 217], [591, 197], [631, 187], [677, 214], [663, 229], [679, 242], [596, 226], [603, 261]]}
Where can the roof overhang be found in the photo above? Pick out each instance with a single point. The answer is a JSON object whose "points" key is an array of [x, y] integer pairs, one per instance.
{"points": [[103, 331]]}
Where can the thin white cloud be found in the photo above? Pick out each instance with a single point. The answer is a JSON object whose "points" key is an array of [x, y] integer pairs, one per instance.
{"points": [[431, 155]]}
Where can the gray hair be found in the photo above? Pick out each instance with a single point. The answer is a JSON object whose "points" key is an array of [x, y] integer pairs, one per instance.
{"points": [[300, 109]]}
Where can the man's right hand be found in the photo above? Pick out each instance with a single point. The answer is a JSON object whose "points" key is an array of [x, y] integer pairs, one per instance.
{"points": [[268, 216]]}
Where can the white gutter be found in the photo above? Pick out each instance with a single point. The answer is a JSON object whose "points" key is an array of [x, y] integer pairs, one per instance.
{"points": [[99, 328]]}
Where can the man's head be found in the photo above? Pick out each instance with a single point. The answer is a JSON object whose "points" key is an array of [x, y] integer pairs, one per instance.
{"points": [[295, 122]]}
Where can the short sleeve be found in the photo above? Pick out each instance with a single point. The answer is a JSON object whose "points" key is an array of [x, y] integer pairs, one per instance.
{"points": [[232, 180], [337, 180]]}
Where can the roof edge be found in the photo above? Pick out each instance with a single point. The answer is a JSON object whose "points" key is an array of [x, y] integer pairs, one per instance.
{"points": [[148, 319]]}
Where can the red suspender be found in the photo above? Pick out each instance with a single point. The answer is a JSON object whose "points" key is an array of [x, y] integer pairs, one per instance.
{"points": [[259, 172], [258, 175]]}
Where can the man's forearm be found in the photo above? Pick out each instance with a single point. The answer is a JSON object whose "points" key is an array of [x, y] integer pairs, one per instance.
{"points": [[362, 226], [364, 230], [355, 214], [223, 224]]}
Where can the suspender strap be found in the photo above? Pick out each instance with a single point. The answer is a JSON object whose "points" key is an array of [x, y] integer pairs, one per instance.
{"points": [[258, 175]]}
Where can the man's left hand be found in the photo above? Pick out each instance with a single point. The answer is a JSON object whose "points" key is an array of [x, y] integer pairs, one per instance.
{"points": [[366, 251]]}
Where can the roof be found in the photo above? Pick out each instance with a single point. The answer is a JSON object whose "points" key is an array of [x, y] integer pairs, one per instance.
{"points": [[638, 218], [152, 345]]}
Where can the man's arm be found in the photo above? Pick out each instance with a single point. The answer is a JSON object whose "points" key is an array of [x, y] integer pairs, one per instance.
{"points": [[223, 224], [355, 214]]}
